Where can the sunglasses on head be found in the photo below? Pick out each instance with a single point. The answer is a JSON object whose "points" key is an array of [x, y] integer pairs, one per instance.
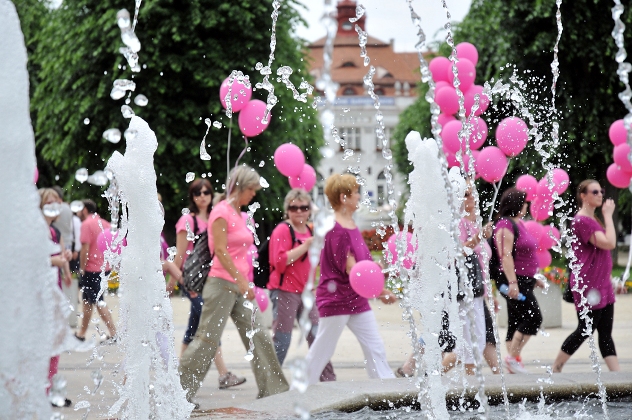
{"points": [[199, 193], [597, 192], [297, 208]]}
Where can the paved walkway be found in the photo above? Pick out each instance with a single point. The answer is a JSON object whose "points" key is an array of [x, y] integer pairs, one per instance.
{"points": [[348, 359]]}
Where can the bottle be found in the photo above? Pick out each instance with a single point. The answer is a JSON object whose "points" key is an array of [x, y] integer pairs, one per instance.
{"points": [[504, 289]]}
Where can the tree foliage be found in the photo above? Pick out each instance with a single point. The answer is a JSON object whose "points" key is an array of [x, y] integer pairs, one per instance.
{"points": [[523, 33], [188, 49]]}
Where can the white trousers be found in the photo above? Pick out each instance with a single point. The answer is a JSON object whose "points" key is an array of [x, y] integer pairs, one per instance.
{"points": [[464, 343], [364, 327]]}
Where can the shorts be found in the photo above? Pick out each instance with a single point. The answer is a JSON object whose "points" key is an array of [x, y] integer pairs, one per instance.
{"points": [[90, 285]]}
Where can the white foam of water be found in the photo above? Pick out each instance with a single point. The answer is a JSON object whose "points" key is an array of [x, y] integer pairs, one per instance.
{"points": [[27, 343], [152, 388]]}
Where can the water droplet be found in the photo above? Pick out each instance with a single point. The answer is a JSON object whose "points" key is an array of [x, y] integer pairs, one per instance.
{"points": [[593, 296], [127, 111], [113, 135], [346, 109], [51, 210], [261, 164], [145, 343], [81, 175], [186, 211], [172, 253], [130, 134], [98, 178], [86, 121], [82, 404], [141, 100], [249, 356], [130, 39], [76, 206], [123, 19], [331, 287], [158, 306], [263, 182], [207, 121], [217, 124], [190, 176], [327, 152]]}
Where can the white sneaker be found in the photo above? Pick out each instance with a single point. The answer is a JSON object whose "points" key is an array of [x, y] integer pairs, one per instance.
{"points": [[514, 366]]}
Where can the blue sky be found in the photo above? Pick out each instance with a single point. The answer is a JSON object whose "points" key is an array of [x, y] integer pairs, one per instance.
{"points": [[388, 19]]}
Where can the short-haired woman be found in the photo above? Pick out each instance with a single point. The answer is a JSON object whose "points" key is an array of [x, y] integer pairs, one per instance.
{"points": [[226, 291], [338, 304], [289, 270], [594, 240], [516, 249], [200, 196]]}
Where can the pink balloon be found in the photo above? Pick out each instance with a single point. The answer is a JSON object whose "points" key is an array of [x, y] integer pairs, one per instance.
{"points": [[438, 67], [441, 84], [561, 181], [535, 229], [491, 164], [618, 133], [447, 100], [289, 159], [528, 184], [467, 74], [483, 102], [367, 279], [617, 176], [468, 51], [544, 258], [479, 133], [105, 240], [305, 180], [450, 136], [262, 299], [451, 158], [512, 135], [36, 176], [541, 209], [251, 116], [444, 119], [410, 249], [542, 191], [620, 155], [546, 242], [240, 94]]}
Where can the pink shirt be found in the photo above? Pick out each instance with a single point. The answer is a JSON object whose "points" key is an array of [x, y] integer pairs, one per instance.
{"points": [[182, 226], [239, 240], [90, 231], [525, 260], [294, 275]]}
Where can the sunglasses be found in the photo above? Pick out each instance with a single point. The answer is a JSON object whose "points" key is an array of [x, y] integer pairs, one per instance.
{"points": [[297, 208], [199, 193], [597, 192]]}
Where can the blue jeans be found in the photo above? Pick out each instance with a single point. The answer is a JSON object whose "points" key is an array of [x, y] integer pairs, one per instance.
{"points": [[194, 316]]}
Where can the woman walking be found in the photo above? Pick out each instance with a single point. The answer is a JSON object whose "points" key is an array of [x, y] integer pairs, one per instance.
{"points": [[226, 291], [516, 250], [338, 304], [200, 196], [594, 239], [289, 269]]}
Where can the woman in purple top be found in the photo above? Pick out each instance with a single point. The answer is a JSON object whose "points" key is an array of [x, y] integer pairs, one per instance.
{"points": [[338, 304], [592, 245], [517, 254]]}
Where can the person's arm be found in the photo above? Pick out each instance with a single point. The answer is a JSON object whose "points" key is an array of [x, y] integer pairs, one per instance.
{"points": [[174, 273], [181, 248], [296, 253], [607, 240], [83, 257], [351, 261], [220, 239], [505, 242]]}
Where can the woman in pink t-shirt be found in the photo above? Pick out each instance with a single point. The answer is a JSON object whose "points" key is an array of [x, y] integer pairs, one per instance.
{"points": [[227, 293], [289, 270], [594, 240]]}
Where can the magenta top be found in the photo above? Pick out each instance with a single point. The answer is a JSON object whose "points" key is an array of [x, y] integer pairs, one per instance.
{"points": [[295, 274], [525, 259], [334, 295], [596, 263]]}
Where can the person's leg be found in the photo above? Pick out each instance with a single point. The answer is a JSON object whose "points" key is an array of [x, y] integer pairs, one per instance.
{"points": [[264, 364], [320, 352], [491, 357], [529, 318], [52, 371], [287, 307], [448, 361], [364, 327], [85, 320], [194, 319], [195, 362], [220, 365], [90, 284], [571, 344], [605, 322], [517, 344], [328, 374], [106, 316]]}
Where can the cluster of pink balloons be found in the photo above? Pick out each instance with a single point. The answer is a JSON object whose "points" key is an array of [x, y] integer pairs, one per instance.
{"points": [[539, 193], [620, 172], [251, 112], [410, 249], [367, 279], [290, 161], [546, 236]]}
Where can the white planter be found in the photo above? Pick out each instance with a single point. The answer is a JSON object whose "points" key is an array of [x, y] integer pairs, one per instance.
{"points": [[550, 306]]}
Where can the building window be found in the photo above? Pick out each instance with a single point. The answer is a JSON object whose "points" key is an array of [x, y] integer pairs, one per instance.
{"points": [[381, 189], [348, 91], [352, 137], [387, 135], [348, 64], [379, 91]]}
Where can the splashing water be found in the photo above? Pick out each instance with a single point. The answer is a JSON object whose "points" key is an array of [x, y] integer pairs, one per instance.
{"points": [[113, 135], [203, 153], [82, 175], [141, 100]]}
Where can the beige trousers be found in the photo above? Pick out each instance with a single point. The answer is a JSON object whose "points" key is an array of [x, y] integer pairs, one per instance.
{"points": [[222, 300]]}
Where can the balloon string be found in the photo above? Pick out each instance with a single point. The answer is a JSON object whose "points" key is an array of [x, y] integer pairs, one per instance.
{"points": [[229, 181], [496, 189], [230, 130], [626, 273]]}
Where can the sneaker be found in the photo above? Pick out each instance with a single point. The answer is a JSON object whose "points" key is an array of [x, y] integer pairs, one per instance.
{"points": [[514, 365], [401, 374], [228, 380]]}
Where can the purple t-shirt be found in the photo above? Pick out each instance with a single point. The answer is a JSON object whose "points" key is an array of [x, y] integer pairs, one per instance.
{"points": [[525, 259], [334, 295], [596, 263]]}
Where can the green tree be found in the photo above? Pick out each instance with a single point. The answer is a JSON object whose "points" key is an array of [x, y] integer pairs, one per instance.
{"points": [[523, 33], [188, 49]]}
